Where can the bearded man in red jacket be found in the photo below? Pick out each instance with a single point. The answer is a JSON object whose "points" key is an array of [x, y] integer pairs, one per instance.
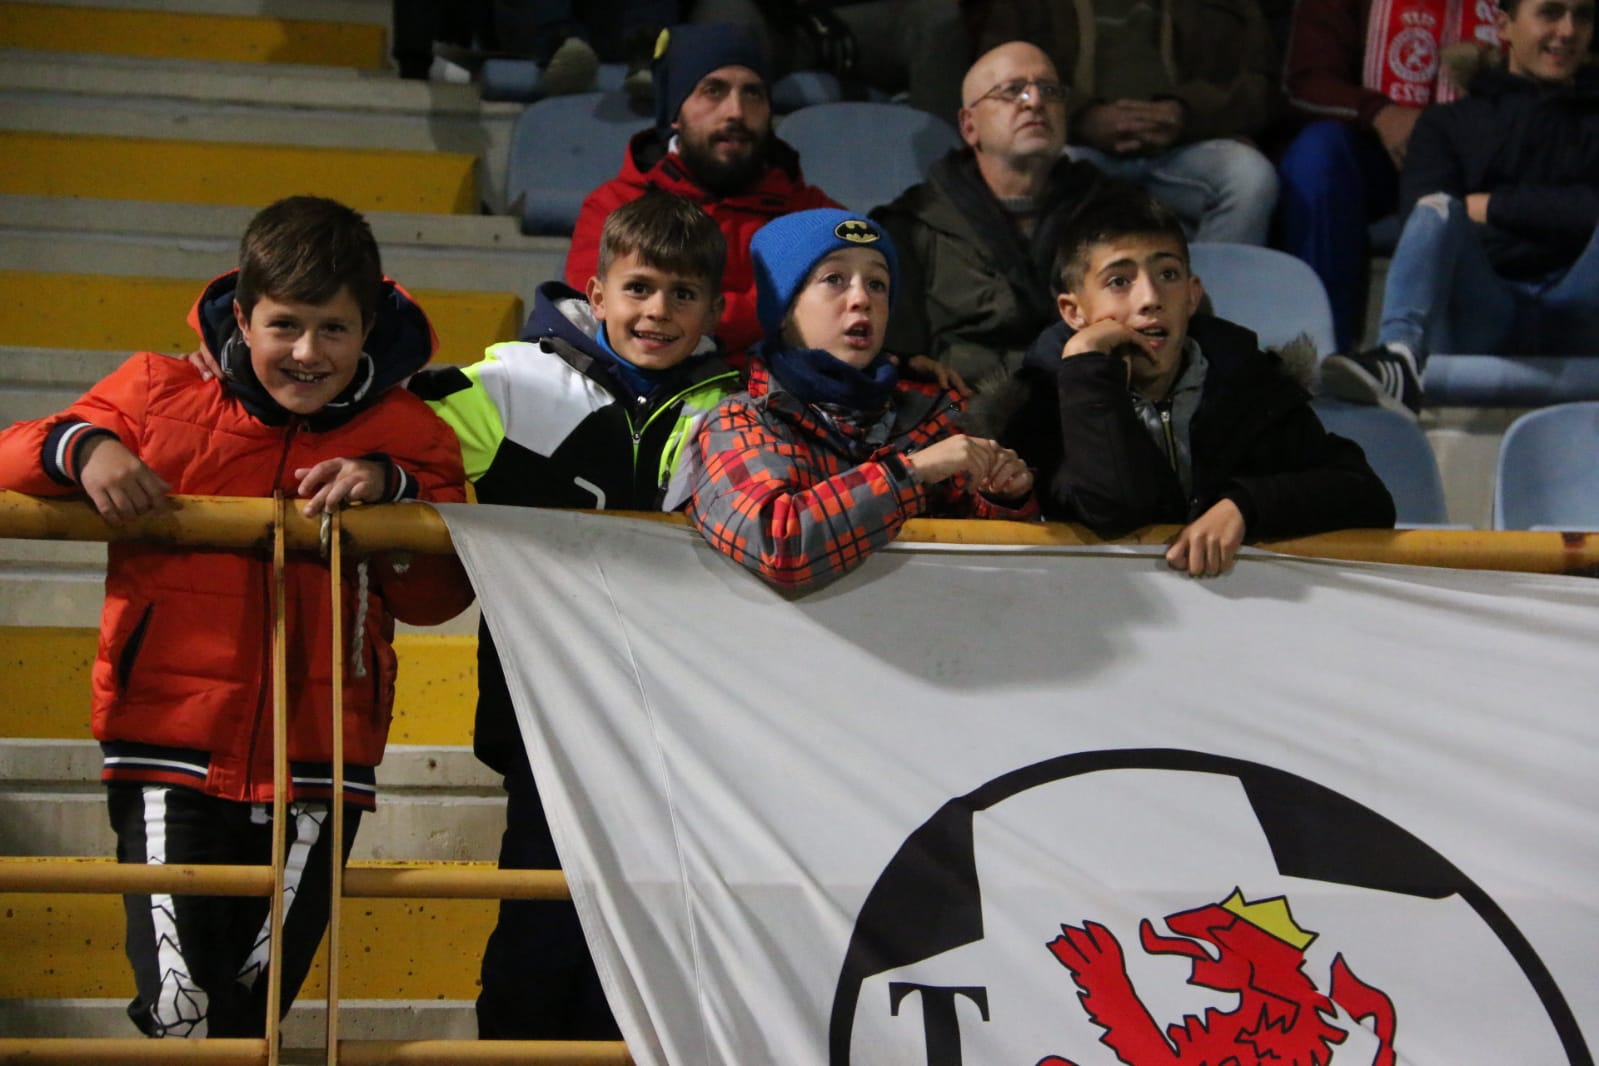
{"points": [[713, 144]]}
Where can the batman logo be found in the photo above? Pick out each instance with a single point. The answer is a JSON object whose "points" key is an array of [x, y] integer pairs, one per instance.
{"points": [[856, 231]]}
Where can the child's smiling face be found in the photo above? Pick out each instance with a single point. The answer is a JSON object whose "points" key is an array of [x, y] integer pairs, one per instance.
{"points": [[653, 318], [303, 354]]}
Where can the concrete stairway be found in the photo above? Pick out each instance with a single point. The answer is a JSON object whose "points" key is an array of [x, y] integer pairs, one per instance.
{"points": [[137, 138]]}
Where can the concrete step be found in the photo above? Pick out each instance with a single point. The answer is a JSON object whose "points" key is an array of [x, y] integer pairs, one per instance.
{"points": [[99, 216], [254, 84], [69, 946], [225, 169], [305, 1028], [1465, 441], [256, 38], [436, 803], [128, 314], [407, 826], [64, 368], [415, 266], [61, 584], [316, 106]]}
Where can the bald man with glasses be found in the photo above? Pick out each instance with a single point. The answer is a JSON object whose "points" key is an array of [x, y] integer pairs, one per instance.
{"points": [[1168, 94], [977, 239]]}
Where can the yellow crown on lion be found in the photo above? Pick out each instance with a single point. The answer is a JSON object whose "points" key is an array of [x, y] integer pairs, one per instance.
{"points": [[1270, 916]]}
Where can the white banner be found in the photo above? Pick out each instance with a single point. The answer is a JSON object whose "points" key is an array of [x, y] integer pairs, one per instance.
{"points": [[1012, 807]]}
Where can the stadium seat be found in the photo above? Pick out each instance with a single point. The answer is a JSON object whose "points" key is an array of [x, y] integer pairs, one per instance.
{"points": [[805, 88], [863, 154], [1509, 380], [1271, 292], [521, 81], [561, 148], [1548, 475], [1398, 451]]}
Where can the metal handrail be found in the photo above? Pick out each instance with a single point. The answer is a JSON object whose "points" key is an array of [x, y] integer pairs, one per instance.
{"points": [[362, 880], [237, 522]]}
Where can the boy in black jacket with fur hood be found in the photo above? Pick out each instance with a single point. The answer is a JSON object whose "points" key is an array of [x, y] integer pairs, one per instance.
{"points": [[1150, 414]]}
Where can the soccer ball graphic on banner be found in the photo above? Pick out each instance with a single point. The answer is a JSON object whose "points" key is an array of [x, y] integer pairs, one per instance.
{"points": [[1163, 906]]}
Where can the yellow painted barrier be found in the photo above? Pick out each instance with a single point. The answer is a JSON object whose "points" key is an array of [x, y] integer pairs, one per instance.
{"points": [[226, 172], [189, 35], [102, 311]]}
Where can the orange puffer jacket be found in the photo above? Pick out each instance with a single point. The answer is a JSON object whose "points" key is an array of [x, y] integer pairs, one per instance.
{"points": [[182, 680]]}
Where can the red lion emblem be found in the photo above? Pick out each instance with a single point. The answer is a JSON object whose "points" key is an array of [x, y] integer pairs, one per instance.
{"points": [[1282, 1018]]}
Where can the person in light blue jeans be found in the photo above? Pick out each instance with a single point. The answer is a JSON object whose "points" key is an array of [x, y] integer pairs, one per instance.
{"points": [[1443, 293], [1500, 251], [1222, 189]]}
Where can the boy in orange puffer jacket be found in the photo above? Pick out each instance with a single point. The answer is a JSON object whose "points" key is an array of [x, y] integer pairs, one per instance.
{"points": [[312, 341]]}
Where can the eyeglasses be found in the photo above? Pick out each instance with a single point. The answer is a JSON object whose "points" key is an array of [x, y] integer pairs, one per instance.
{"points": [[1037, 90]]}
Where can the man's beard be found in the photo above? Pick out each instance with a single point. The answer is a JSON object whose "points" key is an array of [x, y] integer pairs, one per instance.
{"points": [[724, 177]]}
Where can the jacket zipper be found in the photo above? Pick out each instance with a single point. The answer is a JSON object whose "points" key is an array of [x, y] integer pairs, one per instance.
{"points": [[639, 431], [1164, 408]]}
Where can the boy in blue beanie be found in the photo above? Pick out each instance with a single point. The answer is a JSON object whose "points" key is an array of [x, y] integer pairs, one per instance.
{"points": [[828, 452]]}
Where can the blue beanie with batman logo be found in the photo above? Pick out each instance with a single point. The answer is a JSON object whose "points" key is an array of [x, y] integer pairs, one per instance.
{"points": [[786, 248]]}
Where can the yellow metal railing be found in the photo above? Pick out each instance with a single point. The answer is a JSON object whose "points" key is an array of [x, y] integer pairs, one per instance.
{"points": [[232, 522]]}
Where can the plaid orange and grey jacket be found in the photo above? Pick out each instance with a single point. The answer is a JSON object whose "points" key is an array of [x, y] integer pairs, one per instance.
{"points": [[802, 494]]}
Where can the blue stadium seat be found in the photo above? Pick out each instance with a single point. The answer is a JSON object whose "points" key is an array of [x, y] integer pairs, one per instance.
{"points": [[561, 148], [805, 88], [1273, 293], [1398, 451], [1509, 380], [1549, 470], [863, 154], [520, 80]]}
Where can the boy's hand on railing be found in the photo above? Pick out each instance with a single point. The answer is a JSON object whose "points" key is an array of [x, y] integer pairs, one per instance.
{"points": [[335, 483], [1208, 545], [118, 483]]}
